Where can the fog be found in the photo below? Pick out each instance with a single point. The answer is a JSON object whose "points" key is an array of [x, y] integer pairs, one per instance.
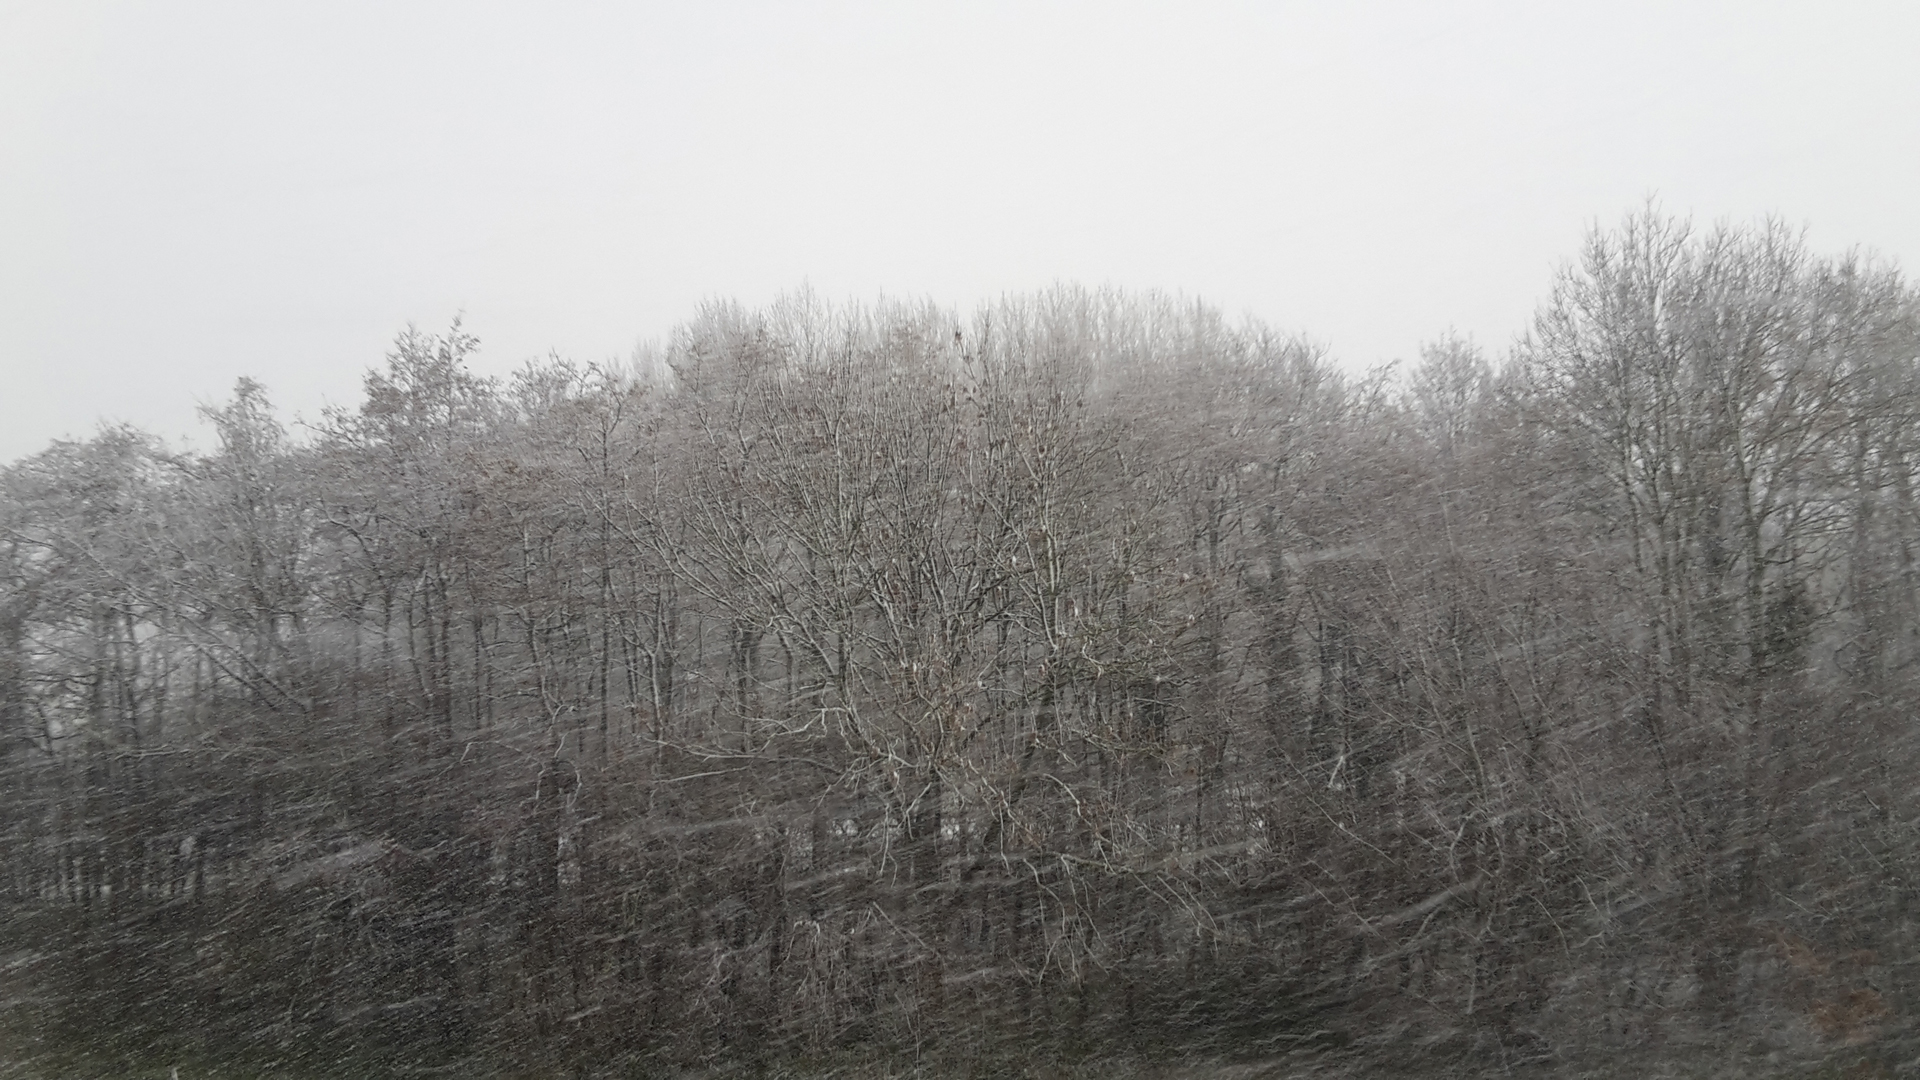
{"points": [[194, 192]]}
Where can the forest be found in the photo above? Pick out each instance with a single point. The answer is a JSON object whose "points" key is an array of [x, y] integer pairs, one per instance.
{"points": [[1090, 677]]}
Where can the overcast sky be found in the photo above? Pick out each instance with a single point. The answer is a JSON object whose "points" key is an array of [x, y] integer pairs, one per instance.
{"points": [[191, 192]]}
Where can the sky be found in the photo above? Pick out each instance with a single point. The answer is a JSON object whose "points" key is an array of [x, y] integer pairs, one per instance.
{"points": [[191, 192]]}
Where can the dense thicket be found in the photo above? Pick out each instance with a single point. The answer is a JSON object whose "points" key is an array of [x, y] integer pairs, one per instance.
{"points": [[1091, 675]]}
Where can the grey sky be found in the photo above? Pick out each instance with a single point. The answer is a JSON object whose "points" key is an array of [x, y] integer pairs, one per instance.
{"points": [[190, 191]]}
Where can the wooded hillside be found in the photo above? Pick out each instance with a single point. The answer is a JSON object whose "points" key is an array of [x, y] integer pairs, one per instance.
{"points": [[1090, 675]]}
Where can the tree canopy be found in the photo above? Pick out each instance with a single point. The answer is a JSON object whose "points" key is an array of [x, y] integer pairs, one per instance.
{"points": [[1092, 674]]}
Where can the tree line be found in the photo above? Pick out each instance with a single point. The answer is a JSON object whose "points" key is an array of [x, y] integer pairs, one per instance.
{"points": [[1088, 675]]}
